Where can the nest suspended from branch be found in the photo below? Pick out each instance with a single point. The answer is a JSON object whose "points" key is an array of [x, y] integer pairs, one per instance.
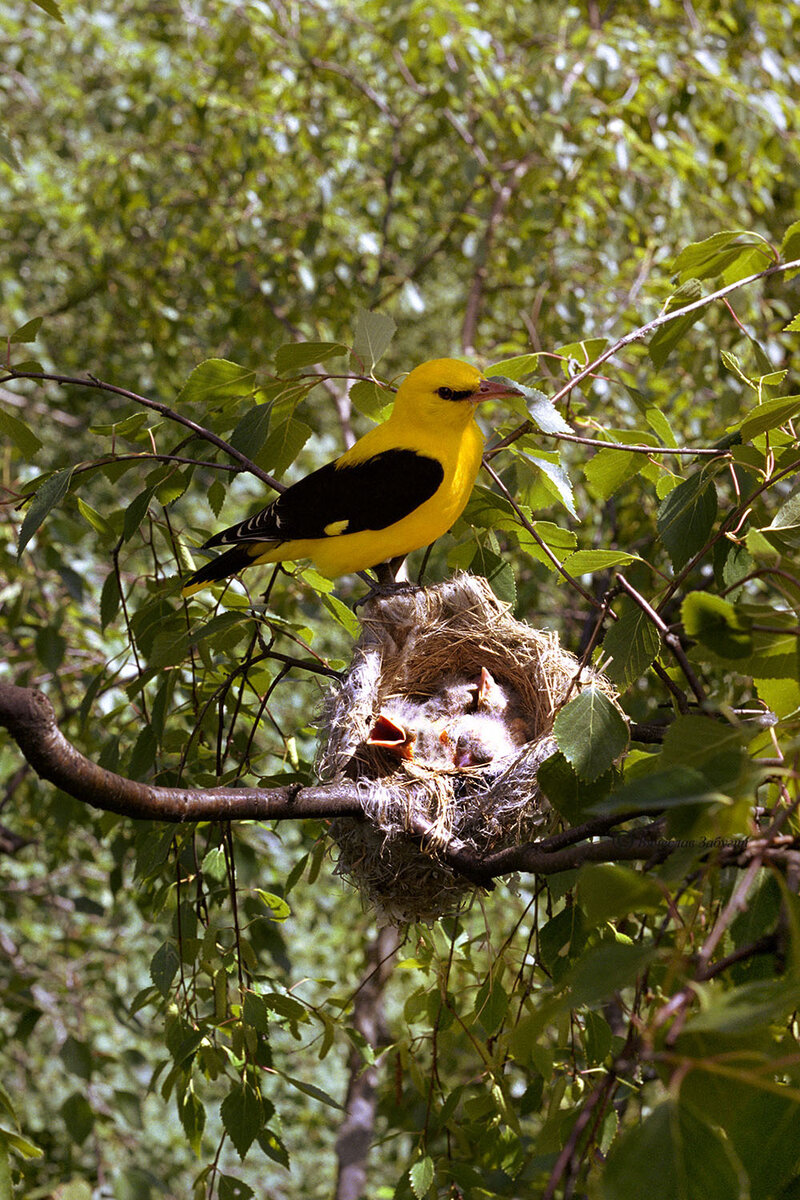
{"points": [[421, 658]]}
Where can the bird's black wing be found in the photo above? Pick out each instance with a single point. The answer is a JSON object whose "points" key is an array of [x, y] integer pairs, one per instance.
{"points": [[334, 500]]}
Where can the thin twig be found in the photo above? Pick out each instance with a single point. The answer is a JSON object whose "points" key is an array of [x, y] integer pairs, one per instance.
{"points": [[534, 534], [668, 637], [199, 430], [636, 335]]}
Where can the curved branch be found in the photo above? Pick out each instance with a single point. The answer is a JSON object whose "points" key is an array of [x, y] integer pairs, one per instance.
{"points": [[29, 718], [198, 430]]}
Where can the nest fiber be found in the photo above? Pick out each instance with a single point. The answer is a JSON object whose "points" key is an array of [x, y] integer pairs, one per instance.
{"points": [[414, 644]]}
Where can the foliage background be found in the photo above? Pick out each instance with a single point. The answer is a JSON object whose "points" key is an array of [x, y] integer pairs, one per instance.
{"points": [[185, 182]]}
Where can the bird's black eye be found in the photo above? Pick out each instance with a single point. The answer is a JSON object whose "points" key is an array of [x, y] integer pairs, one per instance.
{"points": [[451, 394]]}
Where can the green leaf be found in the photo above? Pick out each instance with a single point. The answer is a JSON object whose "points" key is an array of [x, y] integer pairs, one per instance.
{"points": [[274, 1148], [569, 795], [769, 415], [759, 1123], [164, 967], [783, 531], [251, 430], [27, 332], [214, 863], [344, 615], [498, 572], [591, 733], [582, 353], [370, 398], [491, 1004], [746, 1008], [231, 1188], [242, 1116], [278, 908], [660, 426], [421, 1175], [127, 428], [659, 791], [51, 493], [193, 1119], [26, 1149], [515, 368], [609, 890], [283, 445], [294, 355], [733, 253], [285, 1006], [707, 745], [672, 1155], [51, 8], [584, 562], [632, 643], [215, 381], [607, 470], [666, 338], [77, 1058], [50, 648], [216, 496], [374, 332], [603, 969], [597, 1037], [78, 1117], [555, 480], [794, 324], [686, 517], [135, 513], [790, 247], [255, 1012], [717, 624], [97, 521], [539, 407], [310, 1089]]}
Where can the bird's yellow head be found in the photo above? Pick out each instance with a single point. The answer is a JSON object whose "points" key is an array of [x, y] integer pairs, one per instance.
{"points": [[444, 392]]}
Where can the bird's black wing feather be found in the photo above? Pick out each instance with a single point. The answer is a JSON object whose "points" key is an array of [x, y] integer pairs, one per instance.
{"points": [[366, 495]]}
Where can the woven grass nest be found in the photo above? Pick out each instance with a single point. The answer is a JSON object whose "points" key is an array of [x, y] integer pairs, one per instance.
{"points": [[416, 644]]}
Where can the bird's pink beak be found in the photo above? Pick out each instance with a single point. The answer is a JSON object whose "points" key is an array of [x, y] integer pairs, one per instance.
{"points": [[495, 389]]}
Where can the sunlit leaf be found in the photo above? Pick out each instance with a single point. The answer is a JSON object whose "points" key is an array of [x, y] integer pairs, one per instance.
{"points": [[630, 645], [215, 381], [294, 355], [374, 331], [591, 733], [421, 1175]]}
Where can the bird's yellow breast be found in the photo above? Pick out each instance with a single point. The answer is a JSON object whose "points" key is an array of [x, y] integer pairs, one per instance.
{"points": [[460, 459]]}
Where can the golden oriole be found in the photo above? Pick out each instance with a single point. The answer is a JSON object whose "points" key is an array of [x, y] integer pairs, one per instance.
{"points": [[401, 486]]}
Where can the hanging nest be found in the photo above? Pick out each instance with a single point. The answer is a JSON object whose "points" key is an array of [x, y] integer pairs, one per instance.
{"points": [[418, 649]]}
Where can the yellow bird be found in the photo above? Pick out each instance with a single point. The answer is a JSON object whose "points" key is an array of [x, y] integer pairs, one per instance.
{"points": [[401, 486]]}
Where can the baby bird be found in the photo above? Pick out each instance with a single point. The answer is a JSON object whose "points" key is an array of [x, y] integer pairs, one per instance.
{"points": [[465, 723], [407, 731]]}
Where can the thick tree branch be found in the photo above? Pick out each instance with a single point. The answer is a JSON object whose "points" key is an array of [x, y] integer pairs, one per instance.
{"points": [[29, 718]]}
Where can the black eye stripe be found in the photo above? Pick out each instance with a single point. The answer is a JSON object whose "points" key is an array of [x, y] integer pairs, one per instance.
{"points": [[448, 394]]}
